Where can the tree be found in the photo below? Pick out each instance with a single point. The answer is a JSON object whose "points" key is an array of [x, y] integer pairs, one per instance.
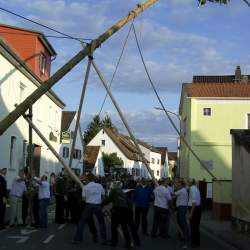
{"points": [[107, 123], [111, 161], [202, 2], [95, 126]]}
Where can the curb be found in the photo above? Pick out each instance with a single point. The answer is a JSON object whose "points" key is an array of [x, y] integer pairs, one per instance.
{"points": [[222, 237]]}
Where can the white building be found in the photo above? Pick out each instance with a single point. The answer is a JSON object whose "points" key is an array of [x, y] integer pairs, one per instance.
{"points": [[110, 141], [17, 81], [68, 124]]}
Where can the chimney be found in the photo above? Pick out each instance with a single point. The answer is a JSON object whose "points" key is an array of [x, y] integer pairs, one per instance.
{"points": [[237, 74]]}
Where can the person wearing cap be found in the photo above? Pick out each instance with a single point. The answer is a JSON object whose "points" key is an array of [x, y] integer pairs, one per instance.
{"points": [[44, 198], [3, 196]]}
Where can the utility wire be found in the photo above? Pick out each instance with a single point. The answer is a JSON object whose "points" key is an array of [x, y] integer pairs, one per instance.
{"points": [[116, 68], [40, 24], [163, 107]]}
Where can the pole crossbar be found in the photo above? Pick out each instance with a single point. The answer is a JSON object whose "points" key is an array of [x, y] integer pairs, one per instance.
{"points": [[6, 122], [71, 173], [144, 160]]}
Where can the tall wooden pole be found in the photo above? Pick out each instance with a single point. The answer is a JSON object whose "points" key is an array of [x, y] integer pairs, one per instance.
{"points": [[30, 159], [88, 50]]}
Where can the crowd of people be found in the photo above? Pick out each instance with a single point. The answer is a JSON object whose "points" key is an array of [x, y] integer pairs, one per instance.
{"points": [[176, 200]]}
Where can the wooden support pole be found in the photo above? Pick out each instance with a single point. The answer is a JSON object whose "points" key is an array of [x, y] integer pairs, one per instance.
{"points": [[79, 111], [87, 50]]}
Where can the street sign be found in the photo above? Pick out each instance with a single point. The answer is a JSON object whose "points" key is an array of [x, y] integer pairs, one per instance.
{"points": [[66, 136]]}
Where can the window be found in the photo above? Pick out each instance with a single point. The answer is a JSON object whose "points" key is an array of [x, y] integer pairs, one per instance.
{"points": [[133, 171], [103, 142], [153, 172], [248, 121], [65, 152], [25, 153], [21, 93], [137, 172], [77, 154], [42, 63], [207, 111], [184, 126], [153, 160], [12, 151], [158, 161], [158, 173]]}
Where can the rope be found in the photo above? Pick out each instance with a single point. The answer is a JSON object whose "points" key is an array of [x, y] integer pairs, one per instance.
{"points": [[40, 24], [163, 107], [116, 68]]}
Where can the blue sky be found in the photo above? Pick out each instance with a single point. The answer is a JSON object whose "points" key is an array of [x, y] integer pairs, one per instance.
{"points": [[178, 40]]}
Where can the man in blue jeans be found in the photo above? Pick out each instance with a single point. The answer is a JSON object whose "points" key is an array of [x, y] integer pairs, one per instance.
{"points": [[93, 194], [142, 196], [44, 198]]}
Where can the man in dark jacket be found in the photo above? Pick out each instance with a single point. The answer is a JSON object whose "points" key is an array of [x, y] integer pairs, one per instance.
{"points": [[3, 196], [60, 191], [142, 196], [121, 214]]}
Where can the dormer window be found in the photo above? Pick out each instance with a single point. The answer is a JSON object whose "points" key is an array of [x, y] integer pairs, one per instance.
{"points": [[42, 63]]}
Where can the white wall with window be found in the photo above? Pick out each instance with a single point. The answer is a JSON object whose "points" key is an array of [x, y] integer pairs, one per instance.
{"points": [[65, 149], [14, 89]]}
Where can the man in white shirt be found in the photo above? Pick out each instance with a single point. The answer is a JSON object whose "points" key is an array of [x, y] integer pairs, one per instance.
{"points": [[161, 205], [44, 198], [194, 205], [181, 195], [17, 190], [93, 194]]}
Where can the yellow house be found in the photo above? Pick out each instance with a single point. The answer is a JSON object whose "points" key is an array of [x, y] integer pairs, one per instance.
{"points": [[209, 107]]}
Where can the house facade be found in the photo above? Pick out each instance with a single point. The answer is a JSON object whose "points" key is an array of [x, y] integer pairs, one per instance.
{"points": [[68, 124], [210, 106], [17, 81], [111, 141]]}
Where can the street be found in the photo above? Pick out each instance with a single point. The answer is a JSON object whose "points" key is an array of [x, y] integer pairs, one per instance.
{"points": [[60, 237]]}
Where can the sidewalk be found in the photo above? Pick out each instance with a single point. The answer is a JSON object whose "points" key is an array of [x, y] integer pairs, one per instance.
{"points": [[224, 231]]}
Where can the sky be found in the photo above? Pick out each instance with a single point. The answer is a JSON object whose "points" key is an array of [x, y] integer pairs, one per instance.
{"points": [[177, 38]]}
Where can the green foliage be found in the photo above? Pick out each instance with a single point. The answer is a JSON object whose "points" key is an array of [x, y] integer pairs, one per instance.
{"points": [[111, 161], [202, 2], [95, 125]]}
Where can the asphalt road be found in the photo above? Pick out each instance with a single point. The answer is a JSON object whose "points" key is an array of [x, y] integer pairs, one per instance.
{"points": [[60, 237]]}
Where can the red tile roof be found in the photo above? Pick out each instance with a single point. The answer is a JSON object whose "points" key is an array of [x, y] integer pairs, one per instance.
{"points": [[218, 89]]}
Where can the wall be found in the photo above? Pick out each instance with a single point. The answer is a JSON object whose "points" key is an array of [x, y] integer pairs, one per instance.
{"points": [[29, 47], [241, 183], [47, 116], [210, 135]]}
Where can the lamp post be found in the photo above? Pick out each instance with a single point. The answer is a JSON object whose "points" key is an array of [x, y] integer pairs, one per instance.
{"points": [[178, 140]]}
